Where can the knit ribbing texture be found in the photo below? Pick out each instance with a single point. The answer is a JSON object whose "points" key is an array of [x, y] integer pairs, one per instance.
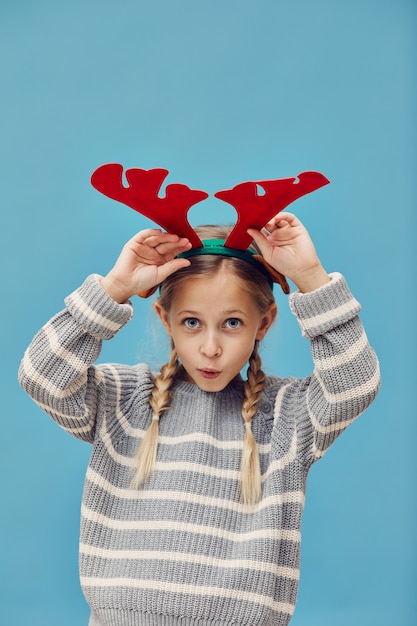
{"points": [[183, 550]]}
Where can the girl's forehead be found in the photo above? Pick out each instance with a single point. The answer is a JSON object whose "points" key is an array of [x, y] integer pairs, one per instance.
{"points": [[221, 281], [222, 290]]}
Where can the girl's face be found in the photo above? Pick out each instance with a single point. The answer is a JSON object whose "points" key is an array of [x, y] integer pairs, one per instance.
{"points": [[214, 323]]}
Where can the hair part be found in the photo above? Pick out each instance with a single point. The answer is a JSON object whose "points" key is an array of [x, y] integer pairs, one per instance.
{"points": [[256, 283], [249, 277]]}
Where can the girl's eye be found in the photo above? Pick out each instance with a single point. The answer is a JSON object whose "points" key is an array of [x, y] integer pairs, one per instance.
{"points": [[191, 323], [233, 323]]}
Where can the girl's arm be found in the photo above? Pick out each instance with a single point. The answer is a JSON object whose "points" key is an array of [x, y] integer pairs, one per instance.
{"points": [[57, 370], [346, 375]]}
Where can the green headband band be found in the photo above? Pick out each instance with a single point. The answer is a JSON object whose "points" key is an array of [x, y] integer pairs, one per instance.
{"points": [[217, 247]]}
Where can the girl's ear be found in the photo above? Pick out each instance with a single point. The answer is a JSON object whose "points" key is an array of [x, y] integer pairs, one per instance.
{"points": [[164, 317], [266, 321]]}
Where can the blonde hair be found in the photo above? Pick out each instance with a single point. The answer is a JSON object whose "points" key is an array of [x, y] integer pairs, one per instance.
{"points": [[256, 283], [159, 401]]}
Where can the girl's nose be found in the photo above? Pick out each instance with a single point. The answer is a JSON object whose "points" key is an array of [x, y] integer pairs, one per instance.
{"points": [[211, 346]]}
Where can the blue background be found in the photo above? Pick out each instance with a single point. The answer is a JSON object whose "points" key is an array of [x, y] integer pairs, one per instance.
{"points": [[217, 92]]}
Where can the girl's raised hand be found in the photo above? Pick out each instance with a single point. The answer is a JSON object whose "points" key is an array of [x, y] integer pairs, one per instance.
{"points": [[286, 245], [145, 261]]}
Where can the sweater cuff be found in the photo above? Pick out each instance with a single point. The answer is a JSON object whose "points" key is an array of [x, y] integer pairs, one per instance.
{"points": [[325, 308], [96, 311]]}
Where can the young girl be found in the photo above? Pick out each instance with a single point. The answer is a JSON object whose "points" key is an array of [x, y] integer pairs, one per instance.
{"points": [[194, 493]]}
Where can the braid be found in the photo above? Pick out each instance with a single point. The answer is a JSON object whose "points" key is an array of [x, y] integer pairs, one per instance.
{"points": [[160, 396], [250, 468], [159, 401]]}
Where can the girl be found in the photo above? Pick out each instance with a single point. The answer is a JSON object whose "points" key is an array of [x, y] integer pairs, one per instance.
{"points": [[195, 489]]}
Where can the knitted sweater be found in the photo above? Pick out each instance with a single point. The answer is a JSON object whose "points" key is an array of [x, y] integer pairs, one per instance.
{"points": [[184, 550]]}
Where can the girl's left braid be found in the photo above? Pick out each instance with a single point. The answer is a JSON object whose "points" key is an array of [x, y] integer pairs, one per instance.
{"points": [[250, 468], [159, 401]]}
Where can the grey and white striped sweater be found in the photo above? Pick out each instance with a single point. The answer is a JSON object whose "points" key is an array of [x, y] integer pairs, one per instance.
{"points": [[184, 550]]}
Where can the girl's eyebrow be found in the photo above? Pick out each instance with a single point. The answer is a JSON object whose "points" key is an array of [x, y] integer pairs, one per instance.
{"points": [[199, 313], [235, 312], [188, 312]]}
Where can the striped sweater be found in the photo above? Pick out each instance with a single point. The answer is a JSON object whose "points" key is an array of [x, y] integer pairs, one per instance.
{"points": [[183, 550]]}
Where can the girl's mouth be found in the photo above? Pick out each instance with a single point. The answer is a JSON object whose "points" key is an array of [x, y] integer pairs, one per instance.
{"points": [[209, 374]]}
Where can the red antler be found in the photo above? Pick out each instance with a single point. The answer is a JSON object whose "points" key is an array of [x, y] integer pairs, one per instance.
{"points": [[142, 196], [254, 211]]}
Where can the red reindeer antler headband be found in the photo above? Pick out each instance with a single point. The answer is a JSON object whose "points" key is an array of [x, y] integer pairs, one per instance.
{"points": [[170, 212]]}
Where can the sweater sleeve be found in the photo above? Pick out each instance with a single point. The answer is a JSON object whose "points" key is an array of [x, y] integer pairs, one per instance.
{"points": [[57, 369], [346, 375]]}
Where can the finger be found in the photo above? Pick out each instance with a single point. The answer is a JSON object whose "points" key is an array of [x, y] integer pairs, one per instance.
{"points": [[170, 267], [259, 238], [157, 247], [145, 234], [154, 237], [172, 248], [280, 220]]}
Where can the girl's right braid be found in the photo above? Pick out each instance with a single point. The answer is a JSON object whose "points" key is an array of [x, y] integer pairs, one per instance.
{"points": [[159, 401], [250, 468]]}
